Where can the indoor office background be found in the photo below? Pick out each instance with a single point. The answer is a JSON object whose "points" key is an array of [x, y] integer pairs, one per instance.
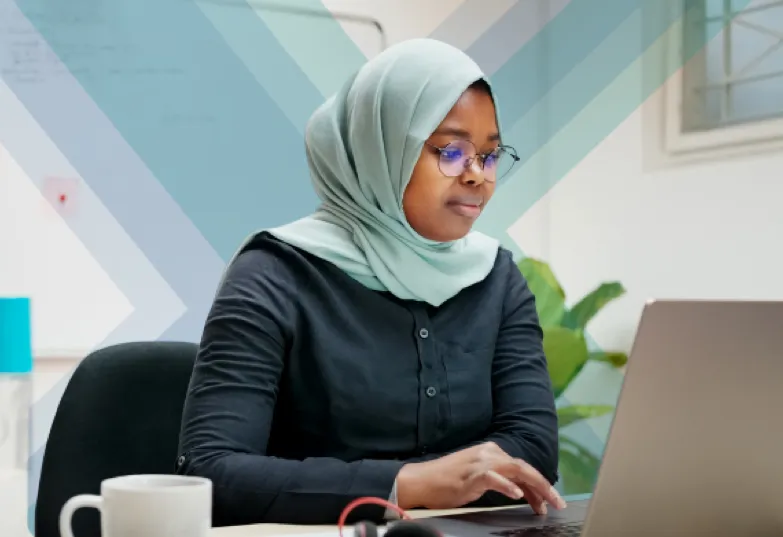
{"points": [[140, 142]]}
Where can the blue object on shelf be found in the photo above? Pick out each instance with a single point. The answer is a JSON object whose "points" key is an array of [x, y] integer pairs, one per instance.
{"points": [[16, 353]]}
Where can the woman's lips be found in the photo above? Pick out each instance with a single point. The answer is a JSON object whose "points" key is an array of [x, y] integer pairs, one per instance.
{"points": [[465, 209], [468, 206]]}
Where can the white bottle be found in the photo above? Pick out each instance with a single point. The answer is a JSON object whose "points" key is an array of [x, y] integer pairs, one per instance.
{"points": [[15, 396], [16, 366]]}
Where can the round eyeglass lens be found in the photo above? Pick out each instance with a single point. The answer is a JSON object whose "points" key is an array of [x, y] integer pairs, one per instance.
{"points": [[457, 156]]}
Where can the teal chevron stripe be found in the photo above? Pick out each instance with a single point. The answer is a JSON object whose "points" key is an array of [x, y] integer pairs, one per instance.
{"points": [[257, 46], [513, 30], [192, 111], [319, 46], [563, 44], [472, 19], [550, 139]]}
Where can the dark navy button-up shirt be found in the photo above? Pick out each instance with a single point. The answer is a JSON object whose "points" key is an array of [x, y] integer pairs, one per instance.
{"points": [[311, 390]]}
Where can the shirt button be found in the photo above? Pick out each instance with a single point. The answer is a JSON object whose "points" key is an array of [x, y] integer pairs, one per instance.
{"points": [[181, 460], [431, 391], [424, 333]]}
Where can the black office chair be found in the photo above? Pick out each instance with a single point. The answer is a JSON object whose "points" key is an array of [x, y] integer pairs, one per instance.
{"points": [[120, 414]]}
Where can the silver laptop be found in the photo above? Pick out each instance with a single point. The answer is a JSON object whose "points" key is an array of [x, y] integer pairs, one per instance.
{"points": [[696, 443]]}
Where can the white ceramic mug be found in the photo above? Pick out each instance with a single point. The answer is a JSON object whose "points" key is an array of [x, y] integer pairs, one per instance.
{"points": [[148, 505]]}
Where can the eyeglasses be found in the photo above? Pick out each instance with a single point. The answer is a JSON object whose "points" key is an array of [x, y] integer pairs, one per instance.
{"points": [[456, 157]]}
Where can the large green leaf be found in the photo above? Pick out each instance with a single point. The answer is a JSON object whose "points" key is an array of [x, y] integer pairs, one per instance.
{"points": [[568, 415], [550, 297], [578, 467], [591, 304], [616, 359], [566, 354]]}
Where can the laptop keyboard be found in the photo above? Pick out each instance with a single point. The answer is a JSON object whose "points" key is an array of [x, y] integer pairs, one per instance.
{"points": [[556, 530]]}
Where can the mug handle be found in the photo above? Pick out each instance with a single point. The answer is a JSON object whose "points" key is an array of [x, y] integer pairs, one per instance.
{"points": [[71, 506]]}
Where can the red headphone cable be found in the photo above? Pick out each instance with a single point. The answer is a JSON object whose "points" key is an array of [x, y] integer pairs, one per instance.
{"points": [[365, 501]]}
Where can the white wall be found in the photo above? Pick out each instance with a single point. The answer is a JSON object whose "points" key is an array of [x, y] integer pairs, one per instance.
{"points": [[74, 302], [698, 230]]}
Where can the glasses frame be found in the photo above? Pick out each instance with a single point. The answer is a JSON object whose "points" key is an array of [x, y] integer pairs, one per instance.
{"points": [[509, 150]]}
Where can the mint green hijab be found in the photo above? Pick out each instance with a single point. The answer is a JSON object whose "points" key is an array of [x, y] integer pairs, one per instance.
{"points": [[362, 145]]}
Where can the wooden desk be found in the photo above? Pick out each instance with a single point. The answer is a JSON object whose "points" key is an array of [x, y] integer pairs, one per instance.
{"points": [[268, 530]]}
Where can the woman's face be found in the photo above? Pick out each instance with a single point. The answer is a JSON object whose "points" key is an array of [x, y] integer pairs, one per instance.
{"points": [[443, 208]]}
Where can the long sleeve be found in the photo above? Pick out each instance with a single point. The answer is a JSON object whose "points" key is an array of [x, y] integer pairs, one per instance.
{"points": [[524, 422], [229, 410]]}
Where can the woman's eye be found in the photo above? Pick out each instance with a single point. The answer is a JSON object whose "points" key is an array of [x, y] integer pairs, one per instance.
{"points": [[451, 154], [490, 159]]}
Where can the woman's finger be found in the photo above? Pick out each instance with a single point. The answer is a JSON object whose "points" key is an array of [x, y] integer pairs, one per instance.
{"points": [[510, 470], [523, 473], [535, 500], [491, 480]]}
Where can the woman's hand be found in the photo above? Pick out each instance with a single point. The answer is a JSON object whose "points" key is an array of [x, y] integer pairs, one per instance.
{"points": [[463, 477]]}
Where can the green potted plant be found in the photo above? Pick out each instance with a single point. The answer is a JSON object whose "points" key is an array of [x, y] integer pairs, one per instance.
{"points": [[567, 352]]}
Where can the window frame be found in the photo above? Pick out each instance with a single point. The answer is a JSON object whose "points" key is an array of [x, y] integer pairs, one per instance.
{"points": [[755, 134]]}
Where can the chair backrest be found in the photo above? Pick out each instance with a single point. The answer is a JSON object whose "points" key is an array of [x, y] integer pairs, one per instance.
{"points": [[120, 414]]}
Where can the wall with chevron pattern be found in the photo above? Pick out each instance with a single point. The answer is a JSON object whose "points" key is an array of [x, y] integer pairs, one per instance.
{"points": [[173, 128]]}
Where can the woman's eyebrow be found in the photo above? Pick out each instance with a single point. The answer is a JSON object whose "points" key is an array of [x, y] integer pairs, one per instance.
{"points": [[462, 133]]}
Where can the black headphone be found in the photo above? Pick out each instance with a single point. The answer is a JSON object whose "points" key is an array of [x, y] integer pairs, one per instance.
{"points": [[403, 528]]}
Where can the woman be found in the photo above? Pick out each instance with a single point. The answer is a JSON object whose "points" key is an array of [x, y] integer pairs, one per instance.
{"points": [[379, 347]]}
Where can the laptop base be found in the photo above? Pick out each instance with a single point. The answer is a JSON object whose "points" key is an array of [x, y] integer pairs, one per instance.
{"points": [[513, 522]]}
